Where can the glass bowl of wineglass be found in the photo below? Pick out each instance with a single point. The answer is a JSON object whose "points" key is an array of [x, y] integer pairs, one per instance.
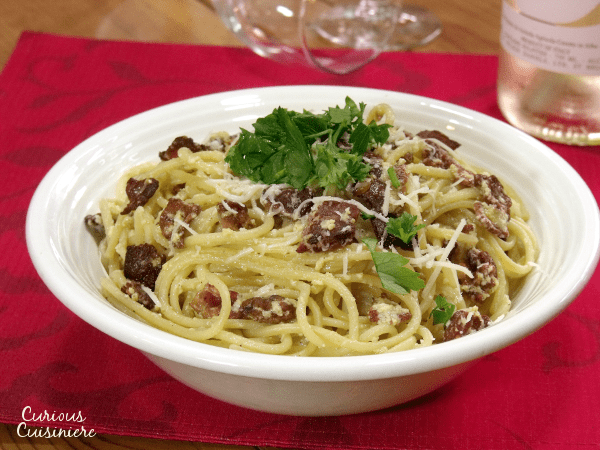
{"points": [[336, 36]]}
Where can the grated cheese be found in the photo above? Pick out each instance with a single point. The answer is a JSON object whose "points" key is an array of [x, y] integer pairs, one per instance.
{"points": [[428, 260], [152, 295], [385, 209], [412, 198], [265, 291], [443, 258], [181, 223], [319, 200], [235, 189]]}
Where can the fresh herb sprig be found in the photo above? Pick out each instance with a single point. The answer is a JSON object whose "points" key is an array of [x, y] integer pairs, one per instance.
{"points": [[443, 310], [395, 277], [394, 178], [403, 227], [301, 149], [390, 266]]}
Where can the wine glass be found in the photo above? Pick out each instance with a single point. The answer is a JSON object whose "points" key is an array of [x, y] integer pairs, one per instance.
{"points": [[417, 26], [337, 36]]}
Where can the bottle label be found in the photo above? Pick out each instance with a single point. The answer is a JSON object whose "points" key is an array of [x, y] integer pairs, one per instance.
{"points": [[556, 35]]}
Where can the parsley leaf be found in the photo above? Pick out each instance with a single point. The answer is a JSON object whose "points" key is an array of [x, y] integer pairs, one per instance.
{"points": [[302, 148], [335, 168], [310, 125], [380, 133], [390, 268], [366, 216], [363, 135], [253, 152], [297, 156], [344, 115], [443, 310], [360, 139], [275, 153], [394, 178], [403, 227]]}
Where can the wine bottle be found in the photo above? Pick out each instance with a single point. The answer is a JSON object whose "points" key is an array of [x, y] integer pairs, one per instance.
{"points": [[549, 69]]}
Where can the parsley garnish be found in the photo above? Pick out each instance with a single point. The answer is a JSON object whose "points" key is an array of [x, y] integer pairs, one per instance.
{"points": [[393, 178], [403, 227], [390, 268], [366, 216], [443, 310], [300, 149]]}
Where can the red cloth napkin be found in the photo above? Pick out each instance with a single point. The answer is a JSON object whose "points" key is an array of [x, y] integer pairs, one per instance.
{"points": [[56, 91]]}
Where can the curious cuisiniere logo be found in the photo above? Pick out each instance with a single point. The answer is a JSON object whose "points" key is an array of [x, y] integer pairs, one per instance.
{"points": [[71, 419]]}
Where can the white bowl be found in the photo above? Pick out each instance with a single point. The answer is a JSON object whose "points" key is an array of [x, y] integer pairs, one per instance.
{"points": [[564, 216]]}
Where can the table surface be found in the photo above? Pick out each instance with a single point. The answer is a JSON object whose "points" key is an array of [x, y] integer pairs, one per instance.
{"points": [[469, 27]]}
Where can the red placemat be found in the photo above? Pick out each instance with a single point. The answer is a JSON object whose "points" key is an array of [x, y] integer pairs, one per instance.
{"points": [[56, 91]]}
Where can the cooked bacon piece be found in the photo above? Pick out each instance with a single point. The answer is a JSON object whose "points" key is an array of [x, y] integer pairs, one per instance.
{"points": [[402, 175], [274, 309], [435, 134], [207, 302], [177, 208], [388, 313], [465, 176], [139, 192], [143, 264], [493, 210], [463, 322], [468, 228], [483, 268], [95, 227], [436, 156], [371, 193], [177, 188], [290, 199], [331, 226], [493, 193], [375, 161], [217, 142], [408, 157], [233, 215], [379, 230], [493, 219], [179, 142], [137, 293]]}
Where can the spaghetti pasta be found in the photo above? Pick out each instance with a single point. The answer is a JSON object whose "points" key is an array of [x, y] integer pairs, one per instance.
{"points": [[194, 249]]}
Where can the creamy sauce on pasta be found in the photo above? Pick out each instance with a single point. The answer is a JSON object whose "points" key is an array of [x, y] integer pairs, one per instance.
{"points": [[195, 250]]}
